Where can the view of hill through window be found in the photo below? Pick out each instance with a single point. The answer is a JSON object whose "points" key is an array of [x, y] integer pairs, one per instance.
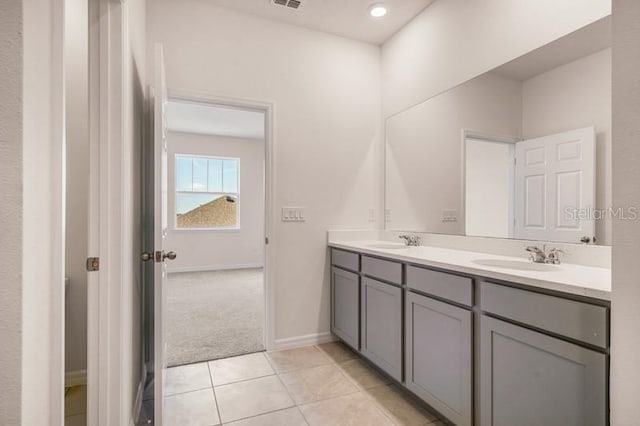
{"points": [[207, 192]]}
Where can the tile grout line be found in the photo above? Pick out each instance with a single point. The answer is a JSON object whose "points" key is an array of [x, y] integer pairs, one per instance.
{"points": [[264, 414], [215, 398], [366, 394], [244, 380], [261, 377], [185, 392], [295, 404], [335, 363]]}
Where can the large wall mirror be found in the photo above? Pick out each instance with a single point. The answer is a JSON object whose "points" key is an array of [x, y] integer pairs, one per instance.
{"points": [[522, 151]]}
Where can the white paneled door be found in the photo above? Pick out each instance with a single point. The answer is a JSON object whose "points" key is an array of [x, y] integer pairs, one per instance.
{"points": [[555, 187]]}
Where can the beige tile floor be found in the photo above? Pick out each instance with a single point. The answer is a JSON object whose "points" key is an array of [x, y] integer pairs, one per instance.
{"points": [[322, 385]]}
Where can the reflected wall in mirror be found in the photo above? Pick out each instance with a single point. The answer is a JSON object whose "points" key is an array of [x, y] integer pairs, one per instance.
{"points": [[522, 151]]}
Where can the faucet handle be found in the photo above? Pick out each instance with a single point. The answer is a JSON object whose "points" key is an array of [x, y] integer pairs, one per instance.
{"points": [[410, 240], [554, 256]]}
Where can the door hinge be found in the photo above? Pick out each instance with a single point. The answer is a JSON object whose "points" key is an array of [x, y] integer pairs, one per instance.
{"points": [[93, 264], [266, 240]]}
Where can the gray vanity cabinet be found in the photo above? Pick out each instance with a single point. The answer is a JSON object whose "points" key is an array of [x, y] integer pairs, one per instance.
{"points": [[345, 302], [529, 378], [381, 325], [439, 356], [481, 352]]}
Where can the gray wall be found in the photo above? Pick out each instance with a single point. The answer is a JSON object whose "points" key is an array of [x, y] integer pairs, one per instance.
{"points": [[10, 210], [625, 310]]}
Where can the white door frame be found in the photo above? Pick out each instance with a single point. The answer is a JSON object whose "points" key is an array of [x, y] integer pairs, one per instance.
{"points": [[44, 151], [106, 348], [269, 191]]}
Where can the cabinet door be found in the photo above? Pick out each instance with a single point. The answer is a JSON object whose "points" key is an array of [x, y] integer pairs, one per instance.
{"points": [[439, 356], [345, 303], [531, 379], [381, 325]]}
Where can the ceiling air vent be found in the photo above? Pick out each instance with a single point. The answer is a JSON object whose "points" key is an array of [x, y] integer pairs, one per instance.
{"points": [[293, 4]]}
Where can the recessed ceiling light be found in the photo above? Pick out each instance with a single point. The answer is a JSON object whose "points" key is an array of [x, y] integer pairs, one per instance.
{"points": [[378, 10]]}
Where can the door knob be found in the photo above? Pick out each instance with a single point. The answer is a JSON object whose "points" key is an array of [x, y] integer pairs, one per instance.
{"points": [[159, 256], [169, 255]]}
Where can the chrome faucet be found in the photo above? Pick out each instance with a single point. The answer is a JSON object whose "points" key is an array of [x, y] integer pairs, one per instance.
{"points": [[538, 255], [410, 240]]}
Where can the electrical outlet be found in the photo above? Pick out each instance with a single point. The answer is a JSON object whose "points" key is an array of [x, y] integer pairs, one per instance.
{"points": [[449, 215], [293, 214]]}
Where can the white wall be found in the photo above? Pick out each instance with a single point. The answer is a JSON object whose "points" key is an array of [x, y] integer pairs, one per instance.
{"points": [[11, 50], [455, 40], [198, 249], [326, 91], [77, 127], [424, 154], [625, 312], [569, 97]]}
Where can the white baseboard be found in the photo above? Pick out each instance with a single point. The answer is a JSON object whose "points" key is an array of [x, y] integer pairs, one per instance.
{"points": [[214, 268], [75, 378], [307, 340]]}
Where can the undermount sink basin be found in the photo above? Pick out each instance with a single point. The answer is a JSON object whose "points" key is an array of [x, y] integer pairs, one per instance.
{"points": [[387, 246], [520, 265]]}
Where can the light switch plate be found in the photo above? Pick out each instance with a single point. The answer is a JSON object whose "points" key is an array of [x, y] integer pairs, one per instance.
{"points": [[372, 215], [293, 214], [387, 215]]}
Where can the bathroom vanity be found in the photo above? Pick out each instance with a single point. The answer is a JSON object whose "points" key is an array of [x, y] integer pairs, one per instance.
{"points": [[482, 339]]}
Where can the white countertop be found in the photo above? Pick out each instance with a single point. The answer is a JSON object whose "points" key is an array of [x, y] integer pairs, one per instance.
{"points": [[581, 280]]}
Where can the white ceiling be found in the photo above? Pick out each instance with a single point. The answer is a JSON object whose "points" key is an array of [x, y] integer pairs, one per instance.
{"points": [[214, 120], [578, 44], [348, 18]]}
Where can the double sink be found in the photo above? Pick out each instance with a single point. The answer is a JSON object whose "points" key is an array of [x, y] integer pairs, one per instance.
{"points": [[515, 264]]}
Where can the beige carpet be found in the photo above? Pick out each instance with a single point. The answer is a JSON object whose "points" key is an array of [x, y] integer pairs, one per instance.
{"points": [[214, 314]]}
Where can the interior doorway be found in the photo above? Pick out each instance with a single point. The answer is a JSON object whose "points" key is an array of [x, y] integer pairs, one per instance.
{"points": [[215, 297]]}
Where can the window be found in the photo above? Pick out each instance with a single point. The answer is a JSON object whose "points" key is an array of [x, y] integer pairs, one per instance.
{"points": [[207, 192]]}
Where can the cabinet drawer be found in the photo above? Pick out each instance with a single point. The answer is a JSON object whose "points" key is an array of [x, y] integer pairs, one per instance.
{"points": [[345, 259], [383, 269], [576, 320], [440, 284]]}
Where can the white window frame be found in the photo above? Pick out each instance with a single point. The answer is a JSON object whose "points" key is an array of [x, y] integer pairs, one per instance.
{"points": [[234, 194]]}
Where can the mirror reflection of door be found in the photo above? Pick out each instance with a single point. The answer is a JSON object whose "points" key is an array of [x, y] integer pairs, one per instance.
{"points": [[536, 189], [555, 186]]}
